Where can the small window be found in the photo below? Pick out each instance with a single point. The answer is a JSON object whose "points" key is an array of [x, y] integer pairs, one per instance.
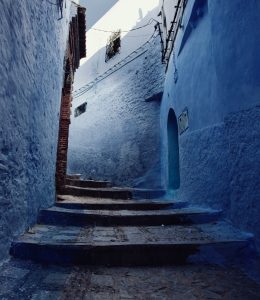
{"points": [[80, 109], [113, 45]]}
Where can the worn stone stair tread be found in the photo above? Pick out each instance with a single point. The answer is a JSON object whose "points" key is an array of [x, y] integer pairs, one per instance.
{"points": [[73, 176], [210, 232], [91, 180], [184, 211], [88, 183], [139, 193], [137, 189], [104, 192], [124, 244], [118, 189], [80, 217], [72, 202], [113, 192], [82, 199]]}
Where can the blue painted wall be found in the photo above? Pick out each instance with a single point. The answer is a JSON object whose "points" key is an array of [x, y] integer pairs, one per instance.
{"points": [[31, 71], [218, 79], [118, 137]]}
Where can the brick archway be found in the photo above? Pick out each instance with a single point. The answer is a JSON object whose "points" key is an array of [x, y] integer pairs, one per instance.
{"points": [[66, 98], [76, 49]]}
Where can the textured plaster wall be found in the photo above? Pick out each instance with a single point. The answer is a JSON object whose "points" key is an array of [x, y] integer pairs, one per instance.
{"points": [[243, 134], [31, 70], [205, 167], [117, 138], [218, 80]]}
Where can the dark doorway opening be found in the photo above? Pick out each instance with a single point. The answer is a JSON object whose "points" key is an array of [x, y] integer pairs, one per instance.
{"points": [[173, 152]]}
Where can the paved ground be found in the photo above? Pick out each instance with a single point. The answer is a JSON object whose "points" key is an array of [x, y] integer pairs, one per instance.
{"points": [[27, 280]]}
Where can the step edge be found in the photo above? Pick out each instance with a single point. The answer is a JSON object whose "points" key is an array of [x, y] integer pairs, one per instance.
{"points": [[87, 213], [126, 244], [105, 189]]}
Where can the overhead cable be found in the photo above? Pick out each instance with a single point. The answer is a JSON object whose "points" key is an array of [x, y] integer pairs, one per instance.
{"points": [[133, 29], [81, 91]]}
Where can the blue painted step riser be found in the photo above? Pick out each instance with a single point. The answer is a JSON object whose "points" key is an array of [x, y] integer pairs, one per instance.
{"points": [[98, 193], [154, 194], [130, 255], [74, 219], [86, 184], [122, 206]]}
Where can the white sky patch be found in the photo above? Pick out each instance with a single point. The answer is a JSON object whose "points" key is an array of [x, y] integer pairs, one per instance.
{"points": [[124, 15]]}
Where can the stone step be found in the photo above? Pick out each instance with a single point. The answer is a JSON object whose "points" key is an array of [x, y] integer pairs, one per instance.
{"points": [[81, 217], [129, 246], [147, 193], [72, 202], [73, 176], [88, 183], [113, 193]]}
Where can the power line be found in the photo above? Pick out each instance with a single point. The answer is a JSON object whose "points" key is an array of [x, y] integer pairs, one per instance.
{"points": [[137, 28], [81, 91]]}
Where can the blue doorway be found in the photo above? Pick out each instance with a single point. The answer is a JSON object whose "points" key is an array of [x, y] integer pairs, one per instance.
{"points": [[173, 152]]}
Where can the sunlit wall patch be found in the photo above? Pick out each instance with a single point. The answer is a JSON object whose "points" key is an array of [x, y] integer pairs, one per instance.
{"points": [[80, 109], [183, 121]]}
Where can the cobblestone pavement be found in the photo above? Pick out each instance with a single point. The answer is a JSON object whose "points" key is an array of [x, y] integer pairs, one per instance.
{"points": [[27, 280]]}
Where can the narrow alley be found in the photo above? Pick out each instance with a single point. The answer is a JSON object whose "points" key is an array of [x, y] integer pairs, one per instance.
{"points": [[129, 149], [123, 235]]}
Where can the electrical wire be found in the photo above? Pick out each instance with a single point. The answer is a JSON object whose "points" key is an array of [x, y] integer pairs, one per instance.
{"points": [[81, 91], [137, 28]]}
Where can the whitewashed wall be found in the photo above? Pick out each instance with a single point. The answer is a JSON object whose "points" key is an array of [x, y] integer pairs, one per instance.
{"points": [[117, 138]]}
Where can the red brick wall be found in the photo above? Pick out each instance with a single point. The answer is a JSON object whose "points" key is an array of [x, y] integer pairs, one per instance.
{"points": [[76, 49], [61, 166]]}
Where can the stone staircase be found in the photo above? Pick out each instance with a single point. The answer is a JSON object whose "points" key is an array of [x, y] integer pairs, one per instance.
{"points": [[96, 224], [103, 189]]}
